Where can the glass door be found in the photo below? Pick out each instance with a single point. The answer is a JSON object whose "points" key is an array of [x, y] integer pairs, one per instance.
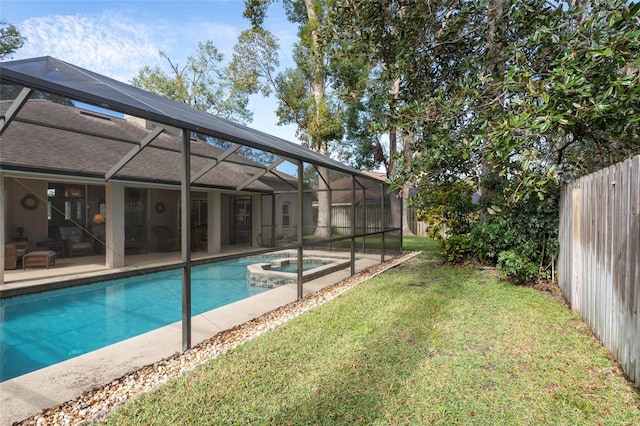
{"points": [[240, 220]]}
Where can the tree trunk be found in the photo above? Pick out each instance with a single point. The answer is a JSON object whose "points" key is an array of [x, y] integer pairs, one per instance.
{"points": [[323, 227], [495, 67], [395, 196], [317, 87], [407, 153]]}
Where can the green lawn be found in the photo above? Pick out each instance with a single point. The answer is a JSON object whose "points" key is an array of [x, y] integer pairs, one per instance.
{"points": [[419, 344]]}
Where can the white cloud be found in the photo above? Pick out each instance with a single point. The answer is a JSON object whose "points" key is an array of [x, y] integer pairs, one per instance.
{"points": [[107, 43], [117, 45]]}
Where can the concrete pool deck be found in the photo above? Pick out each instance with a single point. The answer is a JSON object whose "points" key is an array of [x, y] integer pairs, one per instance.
{"points": [[28, 394]]}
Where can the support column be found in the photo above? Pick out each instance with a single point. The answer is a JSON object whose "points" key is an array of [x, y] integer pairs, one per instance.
{"points": [[185, 232], [300, 214], [3, 215], [256, 219], [353, 225], [273, 220], [214, 223], [114, 225]]}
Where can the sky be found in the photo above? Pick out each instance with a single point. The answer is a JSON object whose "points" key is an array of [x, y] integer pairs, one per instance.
{"points": [[117, 38]]}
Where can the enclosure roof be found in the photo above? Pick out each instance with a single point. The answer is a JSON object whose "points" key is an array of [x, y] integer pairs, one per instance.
{"points": [[53, 75], [48, 137]]}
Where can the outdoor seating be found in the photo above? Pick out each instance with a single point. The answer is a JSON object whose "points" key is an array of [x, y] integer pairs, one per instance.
{"points": [[199, 237], [39, 258], [10, 256], [75, 241], [134, 239], [21, 249]]}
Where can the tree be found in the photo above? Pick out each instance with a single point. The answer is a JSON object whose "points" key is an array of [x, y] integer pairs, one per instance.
{"points": [[10, 40], [201, 84], [304, 93], [255, 60], [512, 97], [392, 45]]}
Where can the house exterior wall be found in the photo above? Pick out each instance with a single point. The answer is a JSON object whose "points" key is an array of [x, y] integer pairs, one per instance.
{"points": [[224, 215], [34, 221], [283, 232], [3, 231], [161, 206], [114, 196]]}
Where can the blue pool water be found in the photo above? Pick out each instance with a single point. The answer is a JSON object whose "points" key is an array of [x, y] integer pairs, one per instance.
{"points": [[43, 329]]}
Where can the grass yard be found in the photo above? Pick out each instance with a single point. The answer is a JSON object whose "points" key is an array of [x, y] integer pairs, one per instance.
{"points": [[422, 343]]}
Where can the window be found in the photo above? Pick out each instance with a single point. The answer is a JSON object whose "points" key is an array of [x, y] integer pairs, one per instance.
{"points": [[286, 216]]}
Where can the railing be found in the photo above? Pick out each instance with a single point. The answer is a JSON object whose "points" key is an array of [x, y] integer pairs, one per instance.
{"points": [[599, 261]]}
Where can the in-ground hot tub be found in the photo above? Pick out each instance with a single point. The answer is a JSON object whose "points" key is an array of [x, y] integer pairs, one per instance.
{"points": [[284, 271]]}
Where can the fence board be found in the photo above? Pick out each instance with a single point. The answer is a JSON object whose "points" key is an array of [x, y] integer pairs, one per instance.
{"points": [[599, 259]]}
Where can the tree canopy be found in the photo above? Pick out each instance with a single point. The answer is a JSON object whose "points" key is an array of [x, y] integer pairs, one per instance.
{"points": [[10, 40], [201, 83], [504, 99]]}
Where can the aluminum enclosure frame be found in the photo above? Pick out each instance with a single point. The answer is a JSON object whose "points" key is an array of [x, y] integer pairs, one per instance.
{"points": [[54, 76]]}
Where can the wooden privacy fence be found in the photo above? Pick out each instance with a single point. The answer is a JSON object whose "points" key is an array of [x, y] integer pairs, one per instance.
{"points": [[599, 260], [368, 219], [417, 227]]}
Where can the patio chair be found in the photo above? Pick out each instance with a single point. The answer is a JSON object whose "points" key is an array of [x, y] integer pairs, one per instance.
{"points": [[199, 237], [75, 241], [134, 239], [10, 256]]}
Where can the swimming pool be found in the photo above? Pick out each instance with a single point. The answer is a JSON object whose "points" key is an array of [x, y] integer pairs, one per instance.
{"points": [[43, 329]]}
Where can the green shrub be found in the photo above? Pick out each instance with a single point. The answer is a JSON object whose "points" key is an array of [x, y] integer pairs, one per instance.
{"points": [[456, 249], [488, 240], [522, 240], [517, 268], [446, 208]]}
